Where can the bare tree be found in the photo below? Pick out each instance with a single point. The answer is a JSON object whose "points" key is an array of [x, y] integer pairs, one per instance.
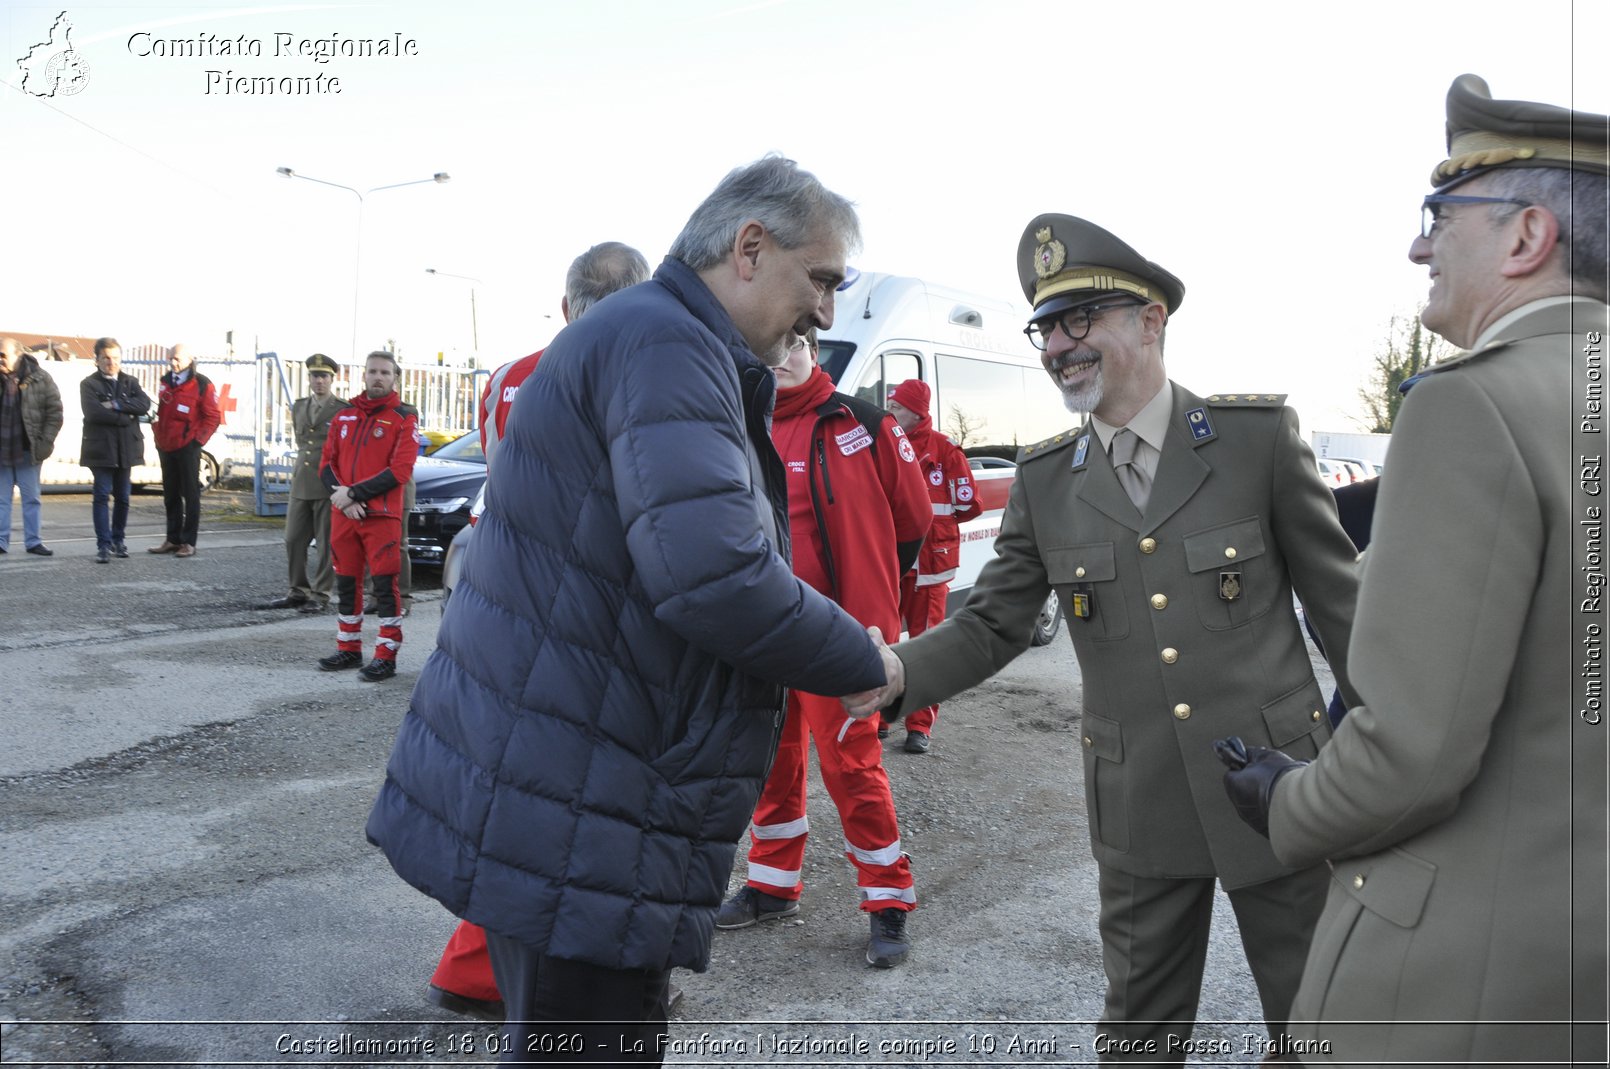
{"points": [[961, 427], [1408, 350]]}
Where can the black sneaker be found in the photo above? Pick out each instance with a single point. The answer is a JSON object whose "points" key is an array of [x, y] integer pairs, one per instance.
{"points": [[377, 670], [916, 742], [103, 556], [751, 906], [484, 1009], [120, 550], [340, 661], [888, 946]]}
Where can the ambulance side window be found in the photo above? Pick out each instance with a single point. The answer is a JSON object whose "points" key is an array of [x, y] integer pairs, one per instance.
{"points": [[884, 372]]}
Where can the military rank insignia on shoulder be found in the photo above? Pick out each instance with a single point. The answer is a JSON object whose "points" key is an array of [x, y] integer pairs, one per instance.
{"points": [[1050, 445], [1247, 400]]}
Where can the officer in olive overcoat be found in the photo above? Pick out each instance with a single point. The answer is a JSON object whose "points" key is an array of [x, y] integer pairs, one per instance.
{"points": [[1462, 805]]}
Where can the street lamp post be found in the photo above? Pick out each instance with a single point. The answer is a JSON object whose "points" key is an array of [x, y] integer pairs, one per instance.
{"points": [[475, 333], [357, 253]]}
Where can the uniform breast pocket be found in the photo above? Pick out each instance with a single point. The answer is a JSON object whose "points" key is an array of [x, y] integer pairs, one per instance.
{"points": [[1085, 578], [1230, 576]]}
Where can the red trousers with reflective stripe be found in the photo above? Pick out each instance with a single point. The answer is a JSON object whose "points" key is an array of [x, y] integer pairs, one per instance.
{"points": [[374, 545], [466, 967], [852, 771], [921, 607]]}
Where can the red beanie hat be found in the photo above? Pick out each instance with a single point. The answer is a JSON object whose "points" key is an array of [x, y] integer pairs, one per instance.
{"points": [[913, 394]]}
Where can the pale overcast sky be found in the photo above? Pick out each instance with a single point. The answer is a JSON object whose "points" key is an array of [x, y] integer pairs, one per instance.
{"points": [[1270, 154]]}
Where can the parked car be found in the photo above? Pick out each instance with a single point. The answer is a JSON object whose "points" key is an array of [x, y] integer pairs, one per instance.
{"points": [[446, 483], [1334, 472], [453, 563], [1369, 469]]}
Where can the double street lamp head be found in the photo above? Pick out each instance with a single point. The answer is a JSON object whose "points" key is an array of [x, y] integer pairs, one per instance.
{"points": [[439, 178]]}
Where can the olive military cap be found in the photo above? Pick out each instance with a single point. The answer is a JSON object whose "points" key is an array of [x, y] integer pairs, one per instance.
{"points": [[320, 362], [1484, 133], [1063, 261]]}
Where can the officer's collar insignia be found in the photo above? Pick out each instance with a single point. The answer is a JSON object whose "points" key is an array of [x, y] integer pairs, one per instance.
{"points": [[1050, 255], [1081, 449], [1201, 426]]}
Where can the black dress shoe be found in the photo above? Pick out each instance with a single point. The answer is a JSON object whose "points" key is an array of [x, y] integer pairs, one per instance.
{"points": [[340, 661], [484, 1009], [120, 550], [281, 603], [310, 608], [41, 550], [377, 670]]}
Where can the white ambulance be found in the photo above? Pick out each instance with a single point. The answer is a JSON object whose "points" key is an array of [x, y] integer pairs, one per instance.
{"points": [[62, 468], [991, 395]]}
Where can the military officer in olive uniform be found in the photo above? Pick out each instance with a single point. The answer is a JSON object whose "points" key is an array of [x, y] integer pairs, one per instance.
{"points": [[1463, 803], [1174, 529], [307, 517]]}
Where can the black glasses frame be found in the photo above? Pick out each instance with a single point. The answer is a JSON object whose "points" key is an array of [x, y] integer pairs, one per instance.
{"points": [[1081, 317]]}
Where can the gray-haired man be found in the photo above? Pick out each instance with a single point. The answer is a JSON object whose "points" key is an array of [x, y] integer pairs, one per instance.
{"points": [[588, 742]]}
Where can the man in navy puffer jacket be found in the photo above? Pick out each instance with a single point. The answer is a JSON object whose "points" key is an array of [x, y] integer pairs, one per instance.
{"points": [[586, 745]]}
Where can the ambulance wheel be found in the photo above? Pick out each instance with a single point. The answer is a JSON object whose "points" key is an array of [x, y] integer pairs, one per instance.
{"points": [[209, 471], [1049, 621]]}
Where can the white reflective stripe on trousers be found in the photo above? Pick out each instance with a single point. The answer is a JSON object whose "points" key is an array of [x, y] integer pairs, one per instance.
{"points": [[773, 877], [887, 855], [790, 830]]}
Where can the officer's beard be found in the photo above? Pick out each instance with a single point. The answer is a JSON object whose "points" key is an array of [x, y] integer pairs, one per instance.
{"points": [[1084, 396]]}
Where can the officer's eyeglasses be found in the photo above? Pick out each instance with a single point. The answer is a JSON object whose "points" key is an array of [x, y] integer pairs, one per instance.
{"points": [[1431, 207], [797, 344], [1075, 322]]}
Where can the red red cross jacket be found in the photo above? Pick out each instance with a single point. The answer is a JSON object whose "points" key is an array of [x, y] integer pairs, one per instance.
{"points": [[497, 397], [371, 450], [186, 413], [949, 480], [857, 509]]}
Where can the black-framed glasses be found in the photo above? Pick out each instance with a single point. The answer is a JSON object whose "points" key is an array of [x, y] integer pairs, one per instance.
{"points": [[1431, 207], [1075, 322]]}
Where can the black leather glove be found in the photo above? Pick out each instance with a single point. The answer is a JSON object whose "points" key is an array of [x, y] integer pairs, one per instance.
{"points": [[1250, 783]]}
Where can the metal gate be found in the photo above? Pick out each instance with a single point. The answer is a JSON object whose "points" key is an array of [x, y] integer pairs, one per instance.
{"points": [[448, 399]]}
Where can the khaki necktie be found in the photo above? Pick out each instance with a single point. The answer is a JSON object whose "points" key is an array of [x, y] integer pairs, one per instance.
{"points": [[1131, 476]]}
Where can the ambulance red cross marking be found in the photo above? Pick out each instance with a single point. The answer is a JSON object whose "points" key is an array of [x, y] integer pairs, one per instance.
{"points": [[226, 403]]}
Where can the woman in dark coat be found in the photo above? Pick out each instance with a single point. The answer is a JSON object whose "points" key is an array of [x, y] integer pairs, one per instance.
{"points": [[113, 404]]}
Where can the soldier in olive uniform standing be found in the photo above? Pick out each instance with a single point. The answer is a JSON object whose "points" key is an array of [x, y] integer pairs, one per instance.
{"points": [[307, 516], [1463, 803], [1174, 529]]}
